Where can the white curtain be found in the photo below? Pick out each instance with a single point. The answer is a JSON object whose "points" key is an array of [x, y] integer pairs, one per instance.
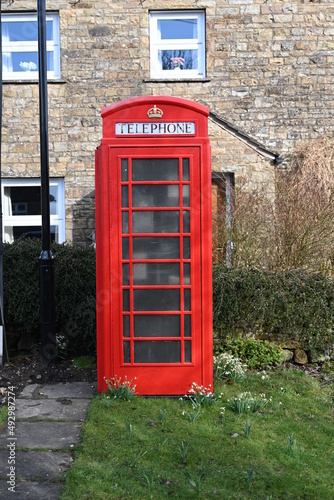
{"points": [[7, 63], [7, 211]]}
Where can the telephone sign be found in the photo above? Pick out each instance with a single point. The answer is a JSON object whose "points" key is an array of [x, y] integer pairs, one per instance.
{"points": [[153, 245]]}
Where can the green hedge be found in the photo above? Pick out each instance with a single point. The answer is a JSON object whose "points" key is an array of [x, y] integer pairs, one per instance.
{"points": [[74, 289], [290, 305]]}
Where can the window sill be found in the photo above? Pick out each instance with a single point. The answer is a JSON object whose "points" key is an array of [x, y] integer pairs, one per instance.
{"points": [[29, 82], [176, 80]]}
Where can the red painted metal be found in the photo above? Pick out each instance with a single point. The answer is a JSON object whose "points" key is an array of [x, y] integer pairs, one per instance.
{"points": [[163, 362]]}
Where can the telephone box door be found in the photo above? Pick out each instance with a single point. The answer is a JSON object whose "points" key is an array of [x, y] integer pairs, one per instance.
{"points": [[153, 245], [158, 244]]}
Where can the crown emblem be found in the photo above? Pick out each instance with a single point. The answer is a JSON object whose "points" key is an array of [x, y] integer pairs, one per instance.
{"points": [[155, 112]]}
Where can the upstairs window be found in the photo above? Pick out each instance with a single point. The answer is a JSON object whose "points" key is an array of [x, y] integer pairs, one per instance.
{"points": [[177, 44], [20, 46]]}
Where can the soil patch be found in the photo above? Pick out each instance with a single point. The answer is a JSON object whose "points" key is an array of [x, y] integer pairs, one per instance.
{"points": [[30, 369]]}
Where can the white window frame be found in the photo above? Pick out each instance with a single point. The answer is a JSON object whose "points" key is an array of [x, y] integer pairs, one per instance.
{"points": [[157, 44], [34, 220], [11, 47]]}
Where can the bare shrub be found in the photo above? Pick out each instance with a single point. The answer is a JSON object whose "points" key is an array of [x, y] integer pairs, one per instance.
{"points": [[289, 225]]}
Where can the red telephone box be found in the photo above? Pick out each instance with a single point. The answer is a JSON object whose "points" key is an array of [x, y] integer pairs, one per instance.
{"points": [[153, 245]]}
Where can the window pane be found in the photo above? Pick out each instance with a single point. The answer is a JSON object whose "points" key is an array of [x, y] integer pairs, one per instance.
{"points": [[186, 247], [157, 326], [20, 31], [54, 201], [187, 301], [187, 325], [171, 29], [25, 200], [186, 274], [178, 59], [186, 195], [125, 197], [157, 352], [186, 222], [25, 62], [155, 222], [185, 169], [155, 196], [126, 326], [27, 232], [125, 222], [155, 248], [156, 274], [126, 350], [187, 351], [124, 169], [126, 300], [125, 248], [22, 61], [126, 275], [156, 300], [155, 169]]}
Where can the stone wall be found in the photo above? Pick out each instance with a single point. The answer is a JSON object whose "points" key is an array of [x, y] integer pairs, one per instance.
{"points": [[269, 74]]}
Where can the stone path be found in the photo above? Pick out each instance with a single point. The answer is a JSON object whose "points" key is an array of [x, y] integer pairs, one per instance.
{"points": [[48, 422]]}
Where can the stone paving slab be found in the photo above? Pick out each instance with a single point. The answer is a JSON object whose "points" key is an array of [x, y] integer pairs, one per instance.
{"points": [[32, 465], [31, 491], [49, 435], [72, 390], [55, 409]]}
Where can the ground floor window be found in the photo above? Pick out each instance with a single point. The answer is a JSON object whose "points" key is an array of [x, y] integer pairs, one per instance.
{"points": [[21, 206], [222, 212]]}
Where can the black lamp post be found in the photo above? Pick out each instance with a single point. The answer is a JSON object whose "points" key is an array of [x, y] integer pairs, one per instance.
{"points": [[46, 264]]}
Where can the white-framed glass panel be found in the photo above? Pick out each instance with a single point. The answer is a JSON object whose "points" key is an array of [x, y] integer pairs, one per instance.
{"points": [[20, 46], [177, 44], [21, 205]]}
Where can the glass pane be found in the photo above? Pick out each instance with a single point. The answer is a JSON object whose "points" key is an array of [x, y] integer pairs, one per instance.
{"points": [[125, 196], [54, 201], [155, 169], [157, 352], [187, 325], [126, 276], [157, 326], [155, 196], [185, 169], [24, 31], [20, 31], [155, 248], [125, 222], [124, 169], [186, 222], [173, 29], [23, 61], [126, 300], [125, 248], [19, 62], [126, 326], [156, 274], [186, 195], [126, 350], [186, 274], [187, 301], [27, 232], [156, 300], [186, 247], [155, 222], [178, 59], [187, 351], [25, 200]]}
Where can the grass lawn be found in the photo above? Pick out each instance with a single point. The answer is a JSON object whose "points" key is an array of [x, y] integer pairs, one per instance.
{"points": [[164, 448]]}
